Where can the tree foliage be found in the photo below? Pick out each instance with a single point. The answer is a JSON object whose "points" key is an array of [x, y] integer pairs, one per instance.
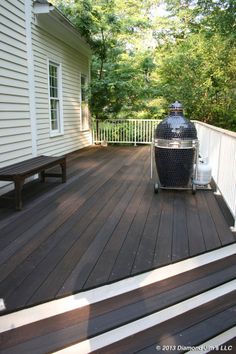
{"points": [[197, 65], [144, 59]]}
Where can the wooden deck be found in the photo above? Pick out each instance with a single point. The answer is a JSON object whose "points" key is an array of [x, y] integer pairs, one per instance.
{"points": [[105, 224]]}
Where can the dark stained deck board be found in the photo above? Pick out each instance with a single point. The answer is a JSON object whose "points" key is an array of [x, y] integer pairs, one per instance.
{"points": [[99, 227], [46, 228], [163, 249], [180, 245], [44, 231], [146, 249], [208, 226], [31, 216], [74, 326], [10, 232], [37, 189], [103, 267], [86, 264], [126, 256], [74, 237], [220, 312], [225, 210], [46, 255], [194, 229], [219, 220], [73, 248]]}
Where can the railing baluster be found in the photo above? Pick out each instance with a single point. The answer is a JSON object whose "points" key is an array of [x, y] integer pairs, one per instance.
{"points": [[125, 131]]}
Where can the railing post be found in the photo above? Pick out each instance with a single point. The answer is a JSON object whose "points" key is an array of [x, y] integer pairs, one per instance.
{"points": [[217, 192], [97, 127], [135, 132]]}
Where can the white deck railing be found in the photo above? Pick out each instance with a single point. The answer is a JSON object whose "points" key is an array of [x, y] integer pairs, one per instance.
{"points": [[218, 145], [125, 131]]}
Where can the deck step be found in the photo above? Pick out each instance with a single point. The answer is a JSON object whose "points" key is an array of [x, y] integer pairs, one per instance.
{"points": [[192, 296], [177, 334]]}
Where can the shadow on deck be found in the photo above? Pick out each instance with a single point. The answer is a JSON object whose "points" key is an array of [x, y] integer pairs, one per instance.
{"points": [[104, 225]]}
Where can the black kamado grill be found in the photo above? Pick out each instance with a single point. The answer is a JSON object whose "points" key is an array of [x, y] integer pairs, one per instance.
{"points": [[176, 151]]}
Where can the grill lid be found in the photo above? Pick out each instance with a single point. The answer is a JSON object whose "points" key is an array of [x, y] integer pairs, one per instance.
{"points": [[176, 126]]}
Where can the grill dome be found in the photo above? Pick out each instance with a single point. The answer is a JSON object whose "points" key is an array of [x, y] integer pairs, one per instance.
{"points": [[176, 126]]}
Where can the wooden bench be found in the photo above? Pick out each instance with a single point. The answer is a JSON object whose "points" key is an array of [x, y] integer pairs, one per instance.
{"points": [[18, 172]]}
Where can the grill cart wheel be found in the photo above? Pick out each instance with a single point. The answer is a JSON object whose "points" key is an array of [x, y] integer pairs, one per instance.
{"points": [[156, 188]]}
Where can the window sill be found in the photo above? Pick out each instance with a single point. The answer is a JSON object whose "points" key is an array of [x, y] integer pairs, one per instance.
{"points": [[54, 135]]}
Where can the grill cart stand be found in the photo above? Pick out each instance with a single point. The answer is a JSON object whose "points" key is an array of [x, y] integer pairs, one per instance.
{"points": [[174, 146]]}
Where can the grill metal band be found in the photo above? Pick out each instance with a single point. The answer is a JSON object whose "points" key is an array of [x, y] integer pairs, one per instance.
{"points": [[176, 143]]}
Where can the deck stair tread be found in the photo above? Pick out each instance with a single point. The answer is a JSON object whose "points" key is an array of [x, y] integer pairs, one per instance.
{"points": [[75, 326], [187, 330]]}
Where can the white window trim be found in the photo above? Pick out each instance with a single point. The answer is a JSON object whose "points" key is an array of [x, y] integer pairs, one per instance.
{"points": [[82, 128], [60, 131]]}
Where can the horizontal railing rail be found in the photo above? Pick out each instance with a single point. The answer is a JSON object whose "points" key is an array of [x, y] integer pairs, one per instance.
{"points": [[125, 131], [219, 147]]}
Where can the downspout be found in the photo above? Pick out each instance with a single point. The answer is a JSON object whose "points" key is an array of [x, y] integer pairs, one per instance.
{"points": [[31, 86]]}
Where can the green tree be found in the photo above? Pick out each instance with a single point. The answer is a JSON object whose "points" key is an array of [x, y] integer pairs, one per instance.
{"points": [[122, 68], [142, 61], [196, 62]]}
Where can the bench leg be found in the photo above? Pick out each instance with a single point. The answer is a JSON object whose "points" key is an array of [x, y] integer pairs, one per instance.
{"points": [[42, 176], [18, 188], [63, 171]]}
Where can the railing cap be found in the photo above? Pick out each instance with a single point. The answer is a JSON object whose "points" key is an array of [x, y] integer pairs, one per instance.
{"points": [[212, 127]]}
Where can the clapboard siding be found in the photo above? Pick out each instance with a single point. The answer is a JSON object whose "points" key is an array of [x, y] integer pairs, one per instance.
{"points": [[12, 74], [73, 63], [14, 6], [8, 123], [18, 39], [7, 47], [7, 90], [15, 17], [16, 112], [13, 59], [14, 107], [13, 156]]}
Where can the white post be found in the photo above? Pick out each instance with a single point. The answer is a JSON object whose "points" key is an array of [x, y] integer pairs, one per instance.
{"points": [[135, 132], [217, 192]]}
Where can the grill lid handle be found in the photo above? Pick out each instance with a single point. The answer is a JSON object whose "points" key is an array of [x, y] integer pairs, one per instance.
{"points": [[176, 107]]}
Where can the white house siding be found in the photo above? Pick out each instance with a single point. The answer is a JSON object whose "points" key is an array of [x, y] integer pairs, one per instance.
{"points": [[19, 139], [15, 131], [73, 63]]}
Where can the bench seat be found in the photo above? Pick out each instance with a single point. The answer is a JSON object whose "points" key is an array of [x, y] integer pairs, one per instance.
{"points": [[18, 172]]}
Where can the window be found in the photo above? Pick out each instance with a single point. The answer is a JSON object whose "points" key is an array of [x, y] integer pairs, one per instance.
{"points": [[55, 98], [84, 103]]}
